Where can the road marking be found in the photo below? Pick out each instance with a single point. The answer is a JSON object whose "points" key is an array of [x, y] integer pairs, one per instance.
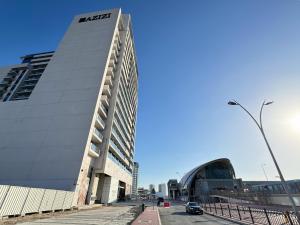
{"points": [[145, 221]]}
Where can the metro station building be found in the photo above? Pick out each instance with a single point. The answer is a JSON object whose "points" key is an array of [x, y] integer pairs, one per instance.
{"points": [[212, 176]]}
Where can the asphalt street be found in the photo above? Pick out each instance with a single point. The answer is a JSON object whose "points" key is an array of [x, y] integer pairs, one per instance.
{"points": [[176, 215]]}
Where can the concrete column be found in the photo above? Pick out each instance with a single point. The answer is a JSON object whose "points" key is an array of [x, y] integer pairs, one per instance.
{"points": [[174, 194], [92, 188]]}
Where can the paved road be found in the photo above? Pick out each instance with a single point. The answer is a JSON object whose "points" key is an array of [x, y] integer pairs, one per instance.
{"points": [[176, 215], [105, 216]]}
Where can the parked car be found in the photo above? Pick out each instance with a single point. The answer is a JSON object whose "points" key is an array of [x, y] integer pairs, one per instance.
{"points": [[193, 207]]}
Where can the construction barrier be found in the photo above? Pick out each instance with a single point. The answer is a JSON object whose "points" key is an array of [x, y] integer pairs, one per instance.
{"points": [[19, 201], [166, 204]]}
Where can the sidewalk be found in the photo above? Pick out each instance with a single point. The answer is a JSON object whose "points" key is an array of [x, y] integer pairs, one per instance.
{"points": [[116, 215], [149, 216]]}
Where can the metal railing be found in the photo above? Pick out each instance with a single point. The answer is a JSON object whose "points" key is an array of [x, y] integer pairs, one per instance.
{"points": [[100, 120], [98, 133], [251, 215], [95, 148]]}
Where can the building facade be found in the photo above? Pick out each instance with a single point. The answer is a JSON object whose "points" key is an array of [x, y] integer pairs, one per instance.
{"points": [[135, 176], [143, 193], [162, 189], [173, 189], [68, 117], [216, 175]]}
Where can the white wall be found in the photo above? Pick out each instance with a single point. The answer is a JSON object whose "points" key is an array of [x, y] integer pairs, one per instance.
{"points": [[110, 190], [43, 139]]}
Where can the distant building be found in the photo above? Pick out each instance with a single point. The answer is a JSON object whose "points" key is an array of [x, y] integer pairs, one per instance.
{"points": [[135, 179], [151, 187], [173, 189], [143, 193], [162, 189], [216, 175]]}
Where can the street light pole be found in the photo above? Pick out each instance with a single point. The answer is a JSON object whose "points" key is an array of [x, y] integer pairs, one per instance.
{"points": [[260, 127]]}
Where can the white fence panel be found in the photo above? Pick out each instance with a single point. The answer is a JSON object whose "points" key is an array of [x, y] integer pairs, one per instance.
{"points": [[3, 193], [33, 201], [14, 201], [68, 200], [48, 200], [59, 200]]}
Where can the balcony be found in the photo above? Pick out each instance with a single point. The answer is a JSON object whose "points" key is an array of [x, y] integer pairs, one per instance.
{"points": [[117, 161], [105, 100], [117, 45], [114, 56], [41, 59], [122, 133], [122, 123], [97, 136], [106, 90], [94, 151], [116, 136], [24, 91], [100, 123], [34, 75], [111, 63], [102, 111], [27, 85], [110, 69], [20, 97], [108, 80], [22, 94], [4, 84], [3, 88], [12, 74], [117, 150], [8, 78], [37, 70], [31, 80], [124, 118]]}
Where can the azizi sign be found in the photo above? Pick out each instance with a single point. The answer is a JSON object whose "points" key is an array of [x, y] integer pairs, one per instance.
{"points": [[97, 17]]}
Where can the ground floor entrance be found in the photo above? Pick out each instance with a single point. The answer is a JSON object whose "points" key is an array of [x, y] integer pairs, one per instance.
{"points": [[106, 189], [121, 191]]}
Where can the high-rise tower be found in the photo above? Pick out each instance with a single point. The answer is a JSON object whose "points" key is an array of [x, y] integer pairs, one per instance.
{"points": [[68, 117], [135, 179], [162, 188]]}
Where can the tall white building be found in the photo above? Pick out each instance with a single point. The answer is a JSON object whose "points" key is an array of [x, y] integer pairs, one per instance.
{"points": [[162, 188], [135, 179], [68, 117], [151, 187]]}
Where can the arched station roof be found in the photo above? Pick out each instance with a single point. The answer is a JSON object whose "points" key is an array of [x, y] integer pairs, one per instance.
{"points": [[187, 179]]}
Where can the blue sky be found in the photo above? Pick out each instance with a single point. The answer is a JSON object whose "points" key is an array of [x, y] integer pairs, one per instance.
{"points": [[193, 56]]}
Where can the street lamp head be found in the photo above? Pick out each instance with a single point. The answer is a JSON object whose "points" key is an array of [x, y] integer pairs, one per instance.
{"points": [[232, 103], [269, 103]]}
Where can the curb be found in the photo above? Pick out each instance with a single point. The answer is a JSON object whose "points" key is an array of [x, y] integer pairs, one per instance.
{"points": [[228, 219], [159, 221]]}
